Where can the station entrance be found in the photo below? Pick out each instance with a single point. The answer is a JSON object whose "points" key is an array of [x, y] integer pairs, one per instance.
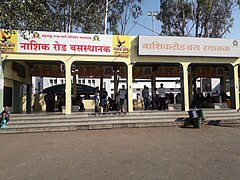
{"points": [[151, 76], [85, 78], [186, 62], [210, 86]]}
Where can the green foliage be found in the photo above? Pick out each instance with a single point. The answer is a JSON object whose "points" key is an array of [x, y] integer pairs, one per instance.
{"points": [[28, 14], [199, 18], [68, 15]]}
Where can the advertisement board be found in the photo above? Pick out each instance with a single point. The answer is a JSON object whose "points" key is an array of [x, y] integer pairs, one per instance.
{"points": [[188, 46], [42, 42]]}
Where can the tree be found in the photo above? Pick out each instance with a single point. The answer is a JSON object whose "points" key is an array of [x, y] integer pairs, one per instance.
{"points": [[28, 14], [199, 18], [68, 15], [78, 15], [121, 12]]}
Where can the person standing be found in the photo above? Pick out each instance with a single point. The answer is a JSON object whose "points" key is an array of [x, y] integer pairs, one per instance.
{"points": [[162, 99], [122, 97], [47, 102], [96, 98], [103, 98], [145, 95], [117, 100], [52, 102], [155, 98]]}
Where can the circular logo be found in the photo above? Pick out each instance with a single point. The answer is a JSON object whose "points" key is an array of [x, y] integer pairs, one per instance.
{"points": [[235, 43], [96, 38], [36, 35]]}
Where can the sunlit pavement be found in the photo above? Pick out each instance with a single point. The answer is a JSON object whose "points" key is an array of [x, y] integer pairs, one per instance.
{"points": [[145, 153]]}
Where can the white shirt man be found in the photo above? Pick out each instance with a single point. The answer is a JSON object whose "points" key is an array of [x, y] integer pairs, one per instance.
{"points": [[122, 97], [161, 94], [161, 91], [145, 95], [122, 92]]}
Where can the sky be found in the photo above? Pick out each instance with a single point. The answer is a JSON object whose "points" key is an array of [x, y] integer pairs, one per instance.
{"points": [[153, 5]]}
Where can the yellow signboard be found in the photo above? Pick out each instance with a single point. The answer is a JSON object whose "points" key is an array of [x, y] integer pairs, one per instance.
{"points": [[121, 46], [8, 41]]}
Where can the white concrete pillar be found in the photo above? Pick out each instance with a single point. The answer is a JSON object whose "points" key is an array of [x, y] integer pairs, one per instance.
{"points": [[236, 86], [185, 85], [190, 87], [68, 99], [129, 87]]}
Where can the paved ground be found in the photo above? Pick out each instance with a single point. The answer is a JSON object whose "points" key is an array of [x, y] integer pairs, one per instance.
{"points": [[123, 154]]}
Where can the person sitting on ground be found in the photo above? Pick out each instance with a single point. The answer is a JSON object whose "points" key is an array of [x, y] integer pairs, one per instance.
{"points": [[5, 117], [112, 105], [5, 114]]}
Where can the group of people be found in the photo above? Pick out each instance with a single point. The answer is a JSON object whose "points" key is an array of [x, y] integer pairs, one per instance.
{"points": [[52, 105], [159, 97], [104, 103], [200, 99]]}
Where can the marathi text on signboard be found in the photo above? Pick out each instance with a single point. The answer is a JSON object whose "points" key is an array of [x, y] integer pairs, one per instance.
{"points": [[188, 46]]}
